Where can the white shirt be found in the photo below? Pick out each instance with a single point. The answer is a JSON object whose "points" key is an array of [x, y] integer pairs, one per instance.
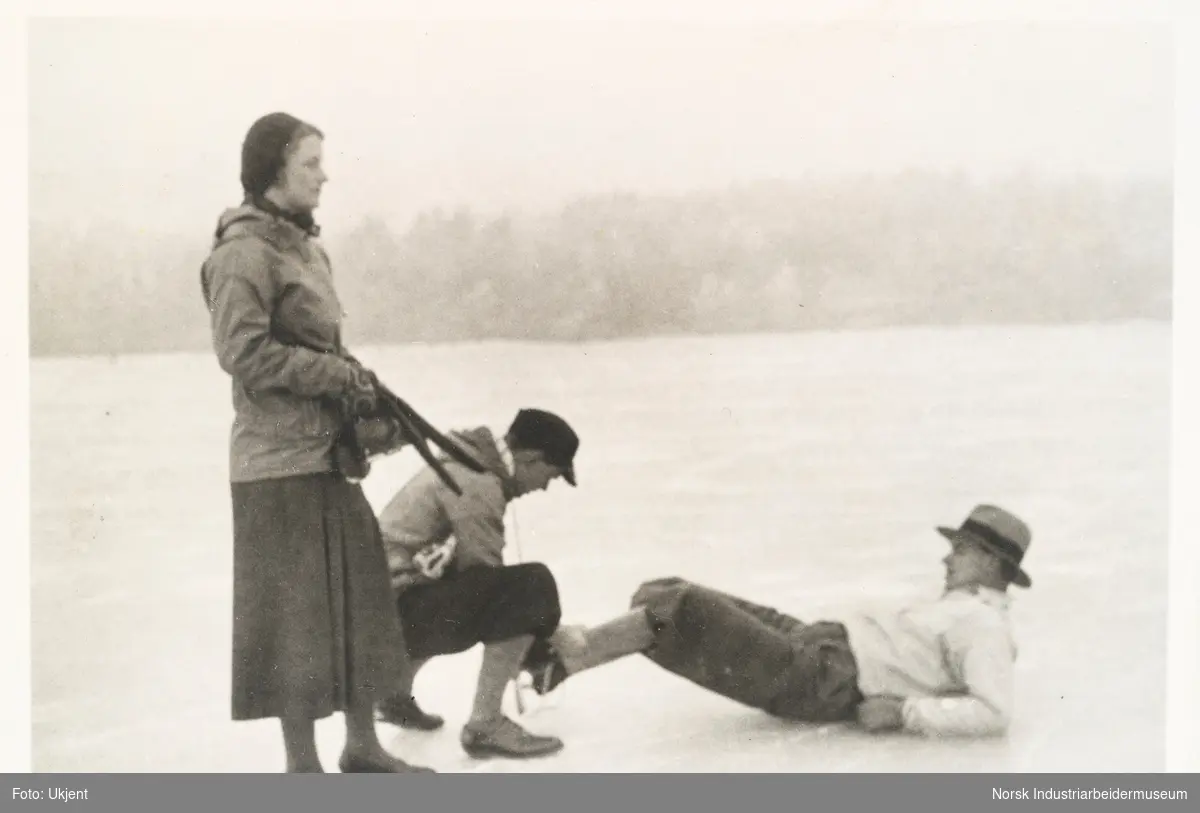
{"points": [[951, 659]]}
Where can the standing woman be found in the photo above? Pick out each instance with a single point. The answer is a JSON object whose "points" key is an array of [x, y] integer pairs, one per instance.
{"points": [[314, 626]]}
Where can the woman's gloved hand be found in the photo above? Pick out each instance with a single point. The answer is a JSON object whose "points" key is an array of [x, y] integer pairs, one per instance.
{"points": [[378, 435], [359, 399]]}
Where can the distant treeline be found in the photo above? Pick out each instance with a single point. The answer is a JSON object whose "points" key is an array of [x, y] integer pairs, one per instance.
{"points": [[914, 248]]}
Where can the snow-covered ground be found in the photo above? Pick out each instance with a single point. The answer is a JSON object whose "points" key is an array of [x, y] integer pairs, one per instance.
{"points": [[805, 471]]}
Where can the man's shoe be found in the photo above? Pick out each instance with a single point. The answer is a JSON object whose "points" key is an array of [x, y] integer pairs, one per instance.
{"points": [[404, 712], [505, 738]]}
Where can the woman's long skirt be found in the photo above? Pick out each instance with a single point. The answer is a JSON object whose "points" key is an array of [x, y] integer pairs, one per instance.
{"points": [[315, 626]]}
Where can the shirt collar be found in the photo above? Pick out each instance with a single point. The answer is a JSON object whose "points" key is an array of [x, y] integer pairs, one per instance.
{"points": [[987, 595], [505, 454]]}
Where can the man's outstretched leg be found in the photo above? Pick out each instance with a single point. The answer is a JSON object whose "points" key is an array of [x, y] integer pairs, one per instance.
{"points": [[732, 647], [573, 649], [726, 645]]}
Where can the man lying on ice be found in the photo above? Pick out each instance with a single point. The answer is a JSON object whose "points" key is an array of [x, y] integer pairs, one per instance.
{"points": [[937, 668]]}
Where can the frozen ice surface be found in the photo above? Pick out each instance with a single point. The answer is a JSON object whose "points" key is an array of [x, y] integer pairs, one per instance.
{"points": [[804, 471]]}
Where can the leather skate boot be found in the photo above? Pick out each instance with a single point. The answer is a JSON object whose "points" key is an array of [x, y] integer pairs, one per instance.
{"points": [[545, 667]]}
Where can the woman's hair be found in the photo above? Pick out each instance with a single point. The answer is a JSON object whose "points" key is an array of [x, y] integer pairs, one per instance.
{"points": [[266, 148]]}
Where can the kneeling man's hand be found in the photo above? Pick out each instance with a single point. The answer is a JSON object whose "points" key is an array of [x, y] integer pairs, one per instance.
{"points": [[882, 713]]}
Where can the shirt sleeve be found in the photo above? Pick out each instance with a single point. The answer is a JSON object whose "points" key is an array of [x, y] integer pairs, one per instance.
{"points": [[240, 291], [477, 520], [982, 654]]}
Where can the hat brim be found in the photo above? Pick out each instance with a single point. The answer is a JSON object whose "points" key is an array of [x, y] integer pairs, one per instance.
{"points": [[956, 535], [569, 474]]}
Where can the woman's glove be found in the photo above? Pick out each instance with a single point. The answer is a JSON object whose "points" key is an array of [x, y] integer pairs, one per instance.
{"points": [[359, 399], [379, 435]]}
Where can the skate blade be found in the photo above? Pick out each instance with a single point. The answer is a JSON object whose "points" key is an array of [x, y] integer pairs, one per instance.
{"points": [[524, 701]]}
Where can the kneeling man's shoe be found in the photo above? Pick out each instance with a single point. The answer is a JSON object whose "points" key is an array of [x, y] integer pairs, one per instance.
{"points": [[404, 712], [504, 738]]}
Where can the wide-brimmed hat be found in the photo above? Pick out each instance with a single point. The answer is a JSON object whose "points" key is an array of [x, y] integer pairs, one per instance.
{"points": [[1000, 532]]}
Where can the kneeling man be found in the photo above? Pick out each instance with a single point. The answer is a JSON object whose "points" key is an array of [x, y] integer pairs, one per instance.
{"points": [[453, 589]]}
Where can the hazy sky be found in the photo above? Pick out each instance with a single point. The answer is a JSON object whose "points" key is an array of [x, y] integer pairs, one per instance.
{"points": [[143, 121]]}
